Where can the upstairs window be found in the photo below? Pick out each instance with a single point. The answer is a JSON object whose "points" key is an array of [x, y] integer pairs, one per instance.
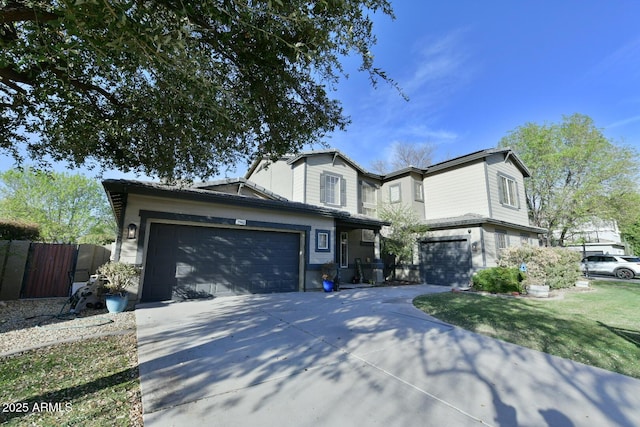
{"points": [[394, 193], [418, 194], [508, 191], [332, 190], [369, 199]]}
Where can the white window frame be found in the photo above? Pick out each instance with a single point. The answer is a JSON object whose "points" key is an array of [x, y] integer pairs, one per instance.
{"points": [[508, 188], [323, 241], [395, 193], [333, 189], [344, 250], [418, 191], [502, 240], [369, 193], [368, 235]]}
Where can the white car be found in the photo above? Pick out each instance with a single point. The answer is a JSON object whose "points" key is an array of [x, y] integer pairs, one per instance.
{"points": [[622, 266]]}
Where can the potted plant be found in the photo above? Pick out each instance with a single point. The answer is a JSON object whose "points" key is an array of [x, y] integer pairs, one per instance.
{"points": [[535, 281], [116, 277], [329, 272]]}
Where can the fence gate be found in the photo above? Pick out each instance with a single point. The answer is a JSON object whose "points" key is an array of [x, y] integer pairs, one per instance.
{"points": [[49, 270]]}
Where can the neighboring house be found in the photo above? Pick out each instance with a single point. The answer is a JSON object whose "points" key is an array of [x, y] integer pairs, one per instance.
{"points": [[272, 230], [600, 237], [223, 238], [474, 205]]}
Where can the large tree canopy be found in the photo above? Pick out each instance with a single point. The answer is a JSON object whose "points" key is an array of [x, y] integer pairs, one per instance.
{"points": [[175, 88], [68, 208], [577, 174]]}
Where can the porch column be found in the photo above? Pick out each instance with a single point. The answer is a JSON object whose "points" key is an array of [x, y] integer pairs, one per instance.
{"points": [[378, 275]]}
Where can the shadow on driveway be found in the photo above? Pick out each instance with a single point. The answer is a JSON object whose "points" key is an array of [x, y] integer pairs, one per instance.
{"points": [[355, 358]]}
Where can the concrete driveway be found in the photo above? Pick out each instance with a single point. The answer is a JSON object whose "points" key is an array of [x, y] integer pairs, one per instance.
{"points": [[361, 357]]}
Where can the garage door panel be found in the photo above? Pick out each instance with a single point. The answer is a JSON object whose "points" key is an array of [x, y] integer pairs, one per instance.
{"points": [[446, 262], [216, 261]]}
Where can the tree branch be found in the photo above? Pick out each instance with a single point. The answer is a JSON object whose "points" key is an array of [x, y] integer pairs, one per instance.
{"points": [[87, 87], [9, 77], [8, 74], [16, 11]]}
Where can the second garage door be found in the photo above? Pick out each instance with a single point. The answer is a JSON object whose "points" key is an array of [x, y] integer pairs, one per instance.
{"points": [[445, 262], [193, 262]]}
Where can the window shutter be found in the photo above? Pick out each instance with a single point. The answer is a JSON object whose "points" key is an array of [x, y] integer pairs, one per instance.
{"points": [[323, 179], [343, 192]]}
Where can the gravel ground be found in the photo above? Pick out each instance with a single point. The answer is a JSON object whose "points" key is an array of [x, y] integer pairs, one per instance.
{"points": [[26, 324]]}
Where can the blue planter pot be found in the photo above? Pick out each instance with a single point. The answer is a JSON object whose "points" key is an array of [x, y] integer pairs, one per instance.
{"points": [[327, 285], [116, 303]]}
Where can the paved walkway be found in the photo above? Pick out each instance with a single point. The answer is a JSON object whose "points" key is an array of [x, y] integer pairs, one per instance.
{"points": [[362, 357]]}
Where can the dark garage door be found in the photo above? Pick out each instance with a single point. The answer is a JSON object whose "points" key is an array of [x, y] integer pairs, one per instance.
{"points": [[193, 262], [445, 262]]}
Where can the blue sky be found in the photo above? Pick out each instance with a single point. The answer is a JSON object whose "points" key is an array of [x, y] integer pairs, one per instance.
{"points": [[475, 70]]}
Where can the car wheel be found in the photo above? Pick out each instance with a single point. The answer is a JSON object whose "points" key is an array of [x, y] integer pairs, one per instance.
{"points": [[624, 273]]}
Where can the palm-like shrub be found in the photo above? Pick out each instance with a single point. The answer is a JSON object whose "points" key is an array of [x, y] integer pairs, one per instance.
{"points": [[119, 276]]}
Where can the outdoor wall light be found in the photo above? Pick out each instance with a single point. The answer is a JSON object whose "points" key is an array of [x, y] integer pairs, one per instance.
{"points": [[131, 231]]}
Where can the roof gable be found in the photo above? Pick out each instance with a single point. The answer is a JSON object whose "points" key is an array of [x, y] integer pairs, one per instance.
{"points": [[239, 186], [293, 159], [508, 154], [480, 155]]}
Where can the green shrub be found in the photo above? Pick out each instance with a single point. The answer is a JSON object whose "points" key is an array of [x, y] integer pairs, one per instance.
{"points": [[499, 280], [556, 267]]}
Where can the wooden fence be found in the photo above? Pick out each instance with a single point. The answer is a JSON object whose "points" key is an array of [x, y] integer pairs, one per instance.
{"points": [[39, 270]]}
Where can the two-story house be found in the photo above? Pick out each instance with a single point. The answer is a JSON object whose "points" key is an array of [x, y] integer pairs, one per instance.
{"points": [[272, 230], [474, 205], [331, 180]]}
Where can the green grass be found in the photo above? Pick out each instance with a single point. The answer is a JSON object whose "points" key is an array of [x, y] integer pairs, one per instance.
{"points": [[90, 383], [598, 328]]}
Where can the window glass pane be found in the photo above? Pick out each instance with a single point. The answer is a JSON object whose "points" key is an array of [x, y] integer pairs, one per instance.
{"points": [[501, 241], [417, 188], [512, 192], [323, 241], [344, 250], [368, 193], [369, 199], [394, 193], [368, 235], [332, 189], [509, 191]]}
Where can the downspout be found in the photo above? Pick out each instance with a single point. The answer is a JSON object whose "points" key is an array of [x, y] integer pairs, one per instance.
{"points": [[484, 252]]}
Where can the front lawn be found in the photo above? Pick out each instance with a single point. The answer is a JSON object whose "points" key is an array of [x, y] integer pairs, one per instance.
{"points": [[93, 382], [598, 328]]}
